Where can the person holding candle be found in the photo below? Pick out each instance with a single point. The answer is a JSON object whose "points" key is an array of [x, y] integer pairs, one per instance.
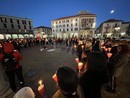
{"points": [[94, 76], [41, 88], [96, 46], [67, 80], [116, 65], [79, 49]]}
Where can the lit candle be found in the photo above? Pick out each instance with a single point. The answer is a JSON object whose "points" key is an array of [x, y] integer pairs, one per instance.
{"points": [[109, 55], [0, 46], [80, 65], [75, 46], [55, 78], [77, 60], [41, 88], [82, 46]]}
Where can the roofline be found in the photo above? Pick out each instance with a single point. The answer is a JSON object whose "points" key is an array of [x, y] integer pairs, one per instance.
{"points": [[1, 15], [126, 22], [112, 20], [90, 15], [42, 27]]}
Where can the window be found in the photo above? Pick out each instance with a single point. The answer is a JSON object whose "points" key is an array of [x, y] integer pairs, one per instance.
{"points": [[76, 29], [71, 25], [3, 20], [29, 22], [23, 21], [24, 27], [71, 29], [18, 21], [19, 27], [67, 29], [12, 26], [67, 20], [64, 25], [5, 26], [30, 27], [60, 30], [59, 25], [67, 25], [75, 24], [76, 19], [11, 21]]}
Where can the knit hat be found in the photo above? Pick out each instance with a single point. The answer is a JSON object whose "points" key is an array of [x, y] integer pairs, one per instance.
{"points": [[25, 92], [67, 79]]}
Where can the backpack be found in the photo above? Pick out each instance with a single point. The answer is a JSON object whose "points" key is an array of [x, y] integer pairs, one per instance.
{"points": [[8, 61]]}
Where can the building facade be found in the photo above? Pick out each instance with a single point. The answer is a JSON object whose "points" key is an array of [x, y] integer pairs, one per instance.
{"points": [[43, 32], [15, 27], [125, 29], [81, 25], [113, 28]]}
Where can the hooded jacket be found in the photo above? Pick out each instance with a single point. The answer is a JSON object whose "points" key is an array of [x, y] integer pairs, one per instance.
{"points": [[25, 92], [8, 48]]}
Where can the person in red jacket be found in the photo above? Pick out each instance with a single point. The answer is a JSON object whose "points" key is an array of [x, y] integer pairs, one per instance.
{"points": [[8, 48]]}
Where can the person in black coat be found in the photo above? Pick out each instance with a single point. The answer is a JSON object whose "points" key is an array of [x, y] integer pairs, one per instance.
{"points": [[95, 76]]}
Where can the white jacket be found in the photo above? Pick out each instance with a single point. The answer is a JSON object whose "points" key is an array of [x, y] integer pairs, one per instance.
{"points": [[25, 92]]}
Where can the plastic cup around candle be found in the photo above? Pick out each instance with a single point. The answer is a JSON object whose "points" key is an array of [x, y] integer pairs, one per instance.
{"points": [[77, 60], [55, 78], [75, 46], [41, 89], [109, 55], [80, 65], [82, 46]]}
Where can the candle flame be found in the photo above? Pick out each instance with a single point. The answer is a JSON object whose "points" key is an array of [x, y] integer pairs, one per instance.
{"points": [[40, 82], [55, 78]]}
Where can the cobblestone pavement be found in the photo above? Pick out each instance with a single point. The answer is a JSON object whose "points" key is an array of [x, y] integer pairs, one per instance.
{"points": [[41, 65]]}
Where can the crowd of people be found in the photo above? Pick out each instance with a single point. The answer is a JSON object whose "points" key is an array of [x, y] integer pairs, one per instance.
{"points": [[102, 64]]}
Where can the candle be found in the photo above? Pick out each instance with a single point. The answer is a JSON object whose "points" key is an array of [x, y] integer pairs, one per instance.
{"points": [[41, 88], [77, 60], [55, 78], [109, 55], [82, 46], [0, 46], [75, 46], [80, 65]]}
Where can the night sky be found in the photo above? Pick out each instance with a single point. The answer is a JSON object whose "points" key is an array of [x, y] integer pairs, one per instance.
{"points": [[43, 11]]}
